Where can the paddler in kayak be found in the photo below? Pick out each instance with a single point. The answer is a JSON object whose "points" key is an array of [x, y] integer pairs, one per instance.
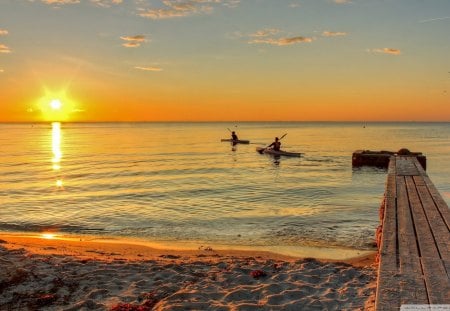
{"points": [[276, 145], [234, 136]]}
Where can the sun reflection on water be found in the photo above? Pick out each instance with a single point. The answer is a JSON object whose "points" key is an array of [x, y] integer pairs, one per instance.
{"points": [[57, 153], [56, 144]]}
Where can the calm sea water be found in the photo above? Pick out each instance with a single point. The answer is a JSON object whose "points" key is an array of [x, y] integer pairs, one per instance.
{"points": [[177, 181]]}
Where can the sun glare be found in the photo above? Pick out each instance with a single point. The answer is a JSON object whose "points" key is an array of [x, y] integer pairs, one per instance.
{"points": [[56, 107], [48, 236], [56, 104]]}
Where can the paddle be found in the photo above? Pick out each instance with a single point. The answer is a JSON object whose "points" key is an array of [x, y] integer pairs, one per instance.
{"points": [[262, 150]]}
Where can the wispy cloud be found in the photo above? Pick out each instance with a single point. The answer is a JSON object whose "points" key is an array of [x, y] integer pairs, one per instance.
{"points": [[181, 8], [4, 49], [106, 3], [265, 32], [3, 32], [101, 3], [333, 33], [270, 36], [60, 2], [294, 5], [282, 41], [389, 51], [342, 1], [434, 19], [133, 41], [149, 68], [231, 3]]}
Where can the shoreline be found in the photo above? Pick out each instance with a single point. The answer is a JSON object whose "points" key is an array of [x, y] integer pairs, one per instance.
{"points": [[69, 274], [74, 245]]}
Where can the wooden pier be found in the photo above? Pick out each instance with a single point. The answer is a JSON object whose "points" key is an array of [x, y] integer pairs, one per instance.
{"points": [[413, 239], [381, 158]]}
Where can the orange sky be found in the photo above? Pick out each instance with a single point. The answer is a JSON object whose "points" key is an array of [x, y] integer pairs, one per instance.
{"points": [[224, 60]]}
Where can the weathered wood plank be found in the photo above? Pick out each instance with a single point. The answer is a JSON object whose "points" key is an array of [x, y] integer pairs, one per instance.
{"points": [[392, 165], [438, 227], [412, 290], [447, 267], [408, 250], [405, 167], [388, 250], [388, 294], [437, 281], [439, 201], [419, 167], [424, 236]]}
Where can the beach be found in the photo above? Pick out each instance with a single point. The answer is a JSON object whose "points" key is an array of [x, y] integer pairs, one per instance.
{"points": [[46, 273]]}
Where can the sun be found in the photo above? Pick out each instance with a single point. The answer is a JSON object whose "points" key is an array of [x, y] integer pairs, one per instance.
{"points": [[56, 104]]}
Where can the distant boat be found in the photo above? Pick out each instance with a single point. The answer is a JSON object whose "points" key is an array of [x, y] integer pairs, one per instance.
{"points": [[263, 150], [236, 141]]}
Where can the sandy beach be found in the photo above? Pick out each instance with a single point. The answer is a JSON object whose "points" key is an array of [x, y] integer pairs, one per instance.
{"points": [[74, 274]]}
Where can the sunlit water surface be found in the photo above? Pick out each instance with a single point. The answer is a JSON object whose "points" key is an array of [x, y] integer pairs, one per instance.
{"points": [[176, 182]]}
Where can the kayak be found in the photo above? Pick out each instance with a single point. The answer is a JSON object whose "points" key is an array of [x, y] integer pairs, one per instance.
{"points": [[238, 141], [262, 150]]}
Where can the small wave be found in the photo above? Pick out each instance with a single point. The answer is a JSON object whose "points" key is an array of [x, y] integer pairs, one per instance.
{"points": [[33, 227]]}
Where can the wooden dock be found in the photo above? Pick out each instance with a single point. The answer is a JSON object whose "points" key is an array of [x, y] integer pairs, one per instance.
{"points": [[382, 158], [413, 239]]}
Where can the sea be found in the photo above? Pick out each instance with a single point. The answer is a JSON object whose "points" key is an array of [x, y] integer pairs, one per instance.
{"points": [[178, 184]]}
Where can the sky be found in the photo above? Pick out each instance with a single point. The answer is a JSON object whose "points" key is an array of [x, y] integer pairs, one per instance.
{"points": [[224, 60]]}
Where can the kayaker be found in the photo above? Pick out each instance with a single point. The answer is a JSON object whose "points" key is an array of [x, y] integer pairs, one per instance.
{"points": [[276, 145], [234, 136]]}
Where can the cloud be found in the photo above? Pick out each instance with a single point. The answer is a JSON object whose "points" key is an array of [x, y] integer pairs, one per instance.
{"points": [[3, 32], [341, 1], [294, 5], [434, 19], [1, 70], [333, 33], [181, 8], [151, 68], [282, 41], [60, 2], [131, 44], [4, 49], [231, 3], [270, 36], [106, 3], [265, 32], [389, 51], [102, 3], [133, 41]]}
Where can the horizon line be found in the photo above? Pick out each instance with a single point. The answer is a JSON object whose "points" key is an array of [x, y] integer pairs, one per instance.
{"points": [[232, 121]]}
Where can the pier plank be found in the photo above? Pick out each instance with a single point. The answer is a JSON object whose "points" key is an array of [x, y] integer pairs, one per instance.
{"points": [[440, 232], [406, 167], [388, 248], [439, 201], [436, 279], [424, 236], [388, 295], [408, 250]]}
